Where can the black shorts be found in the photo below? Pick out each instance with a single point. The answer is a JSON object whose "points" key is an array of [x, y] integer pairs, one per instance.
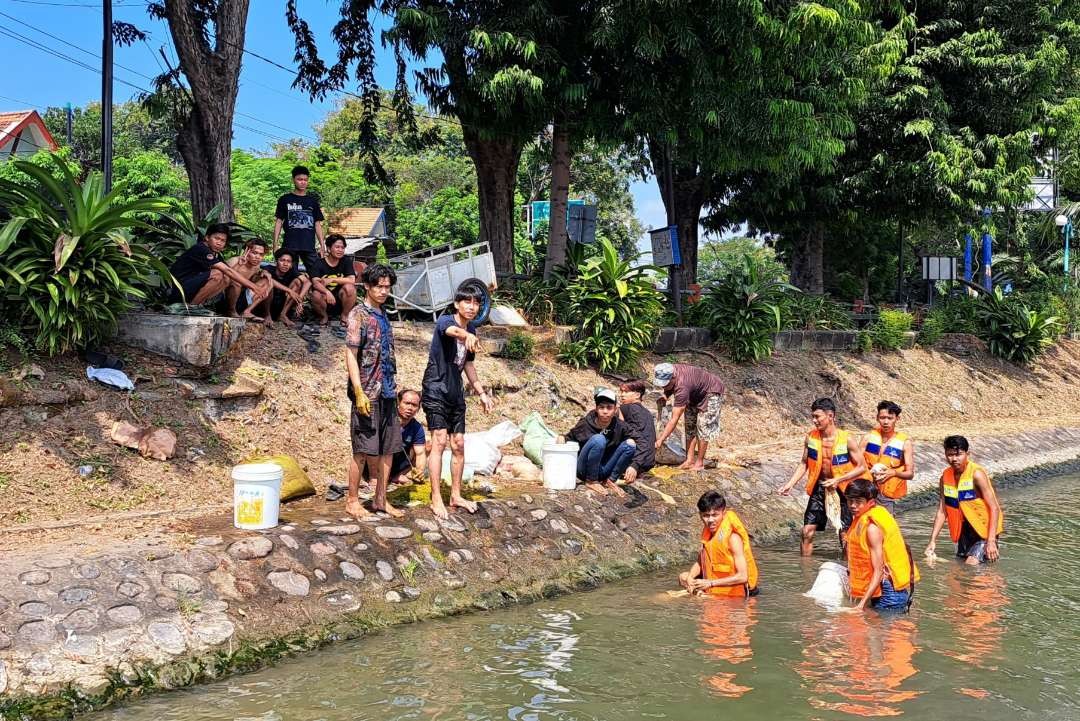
{"points": [[815, 509], [970, 544], [445, 416], [191, 285], [309, 258], [377, 434]]}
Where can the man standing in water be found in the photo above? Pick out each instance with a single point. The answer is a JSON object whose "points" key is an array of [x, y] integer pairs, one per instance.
{"points": [[880, 565], [830, 461], [888, 447], [725, 565], [970, 506]]}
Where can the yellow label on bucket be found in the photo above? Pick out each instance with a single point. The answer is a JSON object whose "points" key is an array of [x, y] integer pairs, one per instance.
{"points": [[250, 512]]}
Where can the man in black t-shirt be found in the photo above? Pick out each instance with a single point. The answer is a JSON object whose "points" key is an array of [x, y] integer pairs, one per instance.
{"points": [[333, 281], [299, 214], [203, 275], [290, 287]]}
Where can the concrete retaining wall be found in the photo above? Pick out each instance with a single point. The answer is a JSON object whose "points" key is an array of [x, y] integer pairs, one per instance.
{"points": [[196, 340], [826, 340]]}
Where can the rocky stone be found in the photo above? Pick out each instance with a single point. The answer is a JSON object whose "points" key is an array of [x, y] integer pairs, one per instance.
{"points": [[557, 524], [351, 571], [167, 636], [53, 563], [39, 665], [37, 609], [288, 528], [181, 583], [3, 677], [360, 547], [35, 578], [289, 541], [429, 557], [322, 549], [82, 648], [411, 593], [215, 607], [289, 582], [209, 541], [213, 631], [4, 604], [92, 684], [202, 561], [129, 589], [342, 600], [166, 603], [451, 524], [454, 583], [82, 619], [76, 594], [392, 597], [426, 525], [343, 530], [36, 632], [124, 615], [320, 522], [573, 546], [88, 571], [122, 565], [5, 641], [119, 640], [432, 536], [956, 405], [248, 549], [320, 574], [538, 514], [157, 554], [392, 532], [553, 552], [385, 570], [526, 498]]}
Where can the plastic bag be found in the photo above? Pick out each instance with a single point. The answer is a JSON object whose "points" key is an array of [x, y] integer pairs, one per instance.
{"points": [[536, 435], [673, 451], [294, 482], [501, 434], [110, 377], [466, 475], [481, 458], [832, 587]]}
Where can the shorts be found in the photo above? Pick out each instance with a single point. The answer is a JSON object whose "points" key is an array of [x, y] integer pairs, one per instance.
{"points": [[377, 434], [704, 424], [889, 504], [891, 599], [815, 509], [308, 257], [191, 285], [971, 544], [450, 417]]}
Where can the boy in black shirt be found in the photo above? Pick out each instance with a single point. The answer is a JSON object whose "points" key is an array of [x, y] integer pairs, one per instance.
{"points": [[333, 281], [290, 288], [606, 450], [203, 275], [640, 426], [453, 349], [301, 216]]}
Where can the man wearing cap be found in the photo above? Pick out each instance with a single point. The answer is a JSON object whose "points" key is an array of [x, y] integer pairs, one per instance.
{"points": [[606, 447], [699, 395]]}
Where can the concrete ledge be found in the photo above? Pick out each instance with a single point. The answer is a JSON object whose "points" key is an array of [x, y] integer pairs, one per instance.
{"points": [[673, 339], [840, 340], [192, 339]]}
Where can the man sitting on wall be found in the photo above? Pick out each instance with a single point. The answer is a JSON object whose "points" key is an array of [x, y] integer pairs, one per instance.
{"points": [[203, 275]]}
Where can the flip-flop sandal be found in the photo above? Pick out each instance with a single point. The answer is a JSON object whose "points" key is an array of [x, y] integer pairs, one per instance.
{"points": [[313, 346], [339, 332]]}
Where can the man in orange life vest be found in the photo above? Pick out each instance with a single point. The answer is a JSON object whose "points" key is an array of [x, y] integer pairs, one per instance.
{"points": [[880, 565], [893, 449], [831, 459], [969, 505], [725, 565]]}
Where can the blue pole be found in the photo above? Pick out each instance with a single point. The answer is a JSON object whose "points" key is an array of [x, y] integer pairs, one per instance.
{"points": [[968, 254], [1068, 237], [987, 243]]}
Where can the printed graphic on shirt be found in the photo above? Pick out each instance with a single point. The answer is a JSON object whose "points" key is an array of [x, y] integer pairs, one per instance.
{"points": [[300, 218]]}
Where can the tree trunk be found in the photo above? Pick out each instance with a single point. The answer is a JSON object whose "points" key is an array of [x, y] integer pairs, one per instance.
{"points": [[212, 73], [496, 162], [808, 259], [560, 192], [689, 188]]}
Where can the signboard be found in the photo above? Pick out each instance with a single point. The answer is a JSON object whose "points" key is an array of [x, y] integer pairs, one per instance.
{"points": [[938, 267], [665, 246], [539, 211], [581, 224]]}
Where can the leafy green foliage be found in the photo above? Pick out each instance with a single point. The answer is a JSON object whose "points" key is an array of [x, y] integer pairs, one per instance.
{"points": [[615, 307], [744, 308], [932, 328], [69, 265], [863, 342], [574, 353], [519, 346], [803, 311], [888, 331], [1012, 330], [959, 314], [451, 216]]}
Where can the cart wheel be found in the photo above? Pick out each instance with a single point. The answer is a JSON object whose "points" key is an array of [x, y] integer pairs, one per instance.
{"points": [[485, 297]]}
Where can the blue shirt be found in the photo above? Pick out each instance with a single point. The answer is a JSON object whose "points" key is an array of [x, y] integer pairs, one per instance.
{"points": [[389, 383], [412, 434]]}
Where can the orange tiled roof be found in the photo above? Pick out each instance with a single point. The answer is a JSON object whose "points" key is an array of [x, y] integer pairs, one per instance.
{"points": [[10, 118], [355, 222]]}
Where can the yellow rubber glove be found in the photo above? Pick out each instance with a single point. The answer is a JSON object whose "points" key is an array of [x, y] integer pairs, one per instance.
{"points": [[363, 405]]}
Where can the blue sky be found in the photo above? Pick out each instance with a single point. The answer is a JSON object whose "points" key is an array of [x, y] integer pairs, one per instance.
{"points": [[268, 109]]}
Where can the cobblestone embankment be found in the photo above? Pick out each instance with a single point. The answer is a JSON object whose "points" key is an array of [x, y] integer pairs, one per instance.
{"points": [[81, 630]]}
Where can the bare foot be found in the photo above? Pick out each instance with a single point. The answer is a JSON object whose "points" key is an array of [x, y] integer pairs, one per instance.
{"points": [[288, 323], [460, 502], [355, 508], [610, 485], [389, 510], [697, 467], [596, 487], [685, 465], [440, 511]]}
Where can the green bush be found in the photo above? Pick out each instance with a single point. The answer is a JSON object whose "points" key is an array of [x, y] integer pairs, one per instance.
{"points": [[932, 328], [744, 308], [802, 311], [615, 307], [536, 299], [1012, 330], [959, 314], [863, 342], [573, 353], [519, 346], [887, 332], [68, 263]]}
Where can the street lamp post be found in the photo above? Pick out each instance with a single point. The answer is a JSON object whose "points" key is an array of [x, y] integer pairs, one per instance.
{"points": [[1062, 221]]}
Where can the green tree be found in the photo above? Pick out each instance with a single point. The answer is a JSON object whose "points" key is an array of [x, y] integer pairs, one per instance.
{"points": [[134, 130], [451, 215]]}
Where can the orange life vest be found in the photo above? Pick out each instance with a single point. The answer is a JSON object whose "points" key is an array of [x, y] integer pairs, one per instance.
{"points": [[962, 501], [716, 560], [841, 461], [899, 566], [890, 454]]}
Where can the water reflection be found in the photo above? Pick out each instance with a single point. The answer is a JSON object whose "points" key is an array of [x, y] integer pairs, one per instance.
{"points": [[856, 663], [537, 659], [973, 606], [724, 627]]}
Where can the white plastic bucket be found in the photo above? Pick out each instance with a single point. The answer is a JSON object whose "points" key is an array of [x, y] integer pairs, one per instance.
{"points": [[560, 465], [831, 587], [256, 495]]}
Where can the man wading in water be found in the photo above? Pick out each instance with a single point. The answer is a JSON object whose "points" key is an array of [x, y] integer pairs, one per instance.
{"points": [[831, 457]]}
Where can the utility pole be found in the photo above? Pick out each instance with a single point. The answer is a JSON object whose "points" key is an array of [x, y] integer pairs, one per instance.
{"points": [[674, 271], [68, 128], [106, 93]]}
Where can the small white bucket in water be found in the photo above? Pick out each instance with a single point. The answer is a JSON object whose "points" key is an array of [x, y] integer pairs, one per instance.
{"points": [[256, 495], [560, 465], [831, 587]]}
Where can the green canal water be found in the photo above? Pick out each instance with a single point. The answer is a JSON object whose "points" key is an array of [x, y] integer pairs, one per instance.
{"points": [[994, 643]]}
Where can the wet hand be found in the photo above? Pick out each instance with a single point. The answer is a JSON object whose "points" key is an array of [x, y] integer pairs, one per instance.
{"points": [[363, 404], [698, 585], [992, 552]]}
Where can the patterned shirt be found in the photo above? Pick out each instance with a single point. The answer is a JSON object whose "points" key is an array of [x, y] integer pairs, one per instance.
{"points": [[369, 335]]}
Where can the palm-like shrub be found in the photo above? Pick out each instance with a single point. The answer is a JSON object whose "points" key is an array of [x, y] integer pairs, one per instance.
{"points": [[68, 263], [744, 308], [616, 308], [1012, 330]]}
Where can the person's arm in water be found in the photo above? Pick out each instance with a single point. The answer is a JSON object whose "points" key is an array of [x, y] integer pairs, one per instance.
{"points": [[876, 539], [939, 521], [859, 462], [798, 475], [736, 579], [986, 492], [676, 414], [474, 381], [687, 577]]}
